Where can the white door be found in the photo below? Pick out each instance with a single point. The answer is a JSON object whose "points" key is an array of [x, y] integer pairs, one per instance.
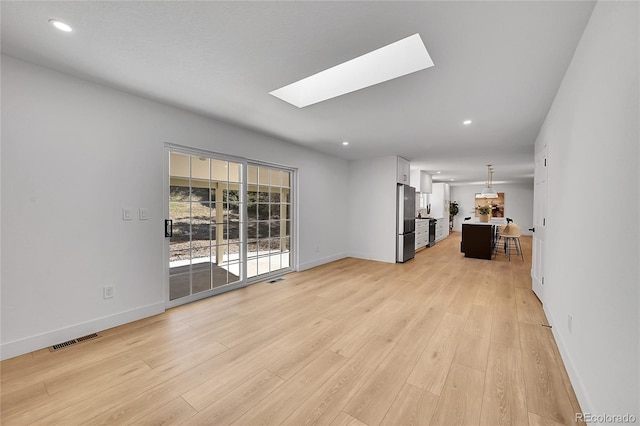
{"points": [[539, 223]]}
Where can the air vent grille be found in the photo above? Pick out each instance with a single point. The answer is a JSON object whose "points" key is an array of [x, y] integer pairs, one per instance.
{"points": [[73, 342], [88, 337]]}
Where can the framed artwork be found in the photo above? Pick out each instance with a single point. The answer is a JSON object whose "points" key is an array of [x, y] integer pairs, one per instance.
{"points": [[497, 204]]}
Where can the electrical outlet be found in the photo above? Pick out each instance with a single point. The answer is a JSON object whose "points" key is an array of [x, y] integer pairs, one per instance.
{"points": [[107, 292], [126, 213], [570, 323], [143, 213]]}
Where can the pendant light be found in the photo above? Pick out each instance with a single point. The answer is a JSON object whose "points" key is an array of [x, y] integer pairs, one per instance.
{"points": [[488, 191]]}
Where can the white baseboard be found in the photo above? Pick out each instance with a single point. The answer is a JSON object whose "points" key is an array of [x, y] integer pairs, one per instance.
{"points": [[50, 338], [367, 256], [359, 255], [317, 262], [576, 382]]}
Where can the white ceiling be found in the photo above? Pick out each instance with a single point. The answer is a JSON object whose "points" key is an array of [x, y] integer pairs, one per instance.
{"points": [[496, 63]]}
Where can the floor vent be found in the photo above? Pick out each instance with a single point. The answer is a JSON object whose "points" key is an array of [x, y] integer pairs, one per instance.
{"points": [[73, 342], [275, 280]]}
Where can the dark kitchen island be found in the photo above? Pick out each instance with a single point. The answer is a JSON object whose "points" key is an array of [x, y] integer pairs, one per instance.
{"points": [[478, 239]]}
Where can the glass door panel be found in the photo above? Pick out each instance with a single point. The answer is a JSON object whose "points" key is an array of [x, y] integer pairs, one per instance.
{"points": [[269, 217], [205, 205]]}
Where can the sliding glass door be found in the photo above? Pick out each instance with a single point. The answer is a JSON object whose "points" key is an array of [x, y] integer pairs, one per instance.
{"points": [[229, 224]]}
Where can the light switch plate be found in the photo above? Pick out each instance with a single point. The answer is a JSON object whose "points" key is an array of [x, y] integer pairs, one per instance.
{"points": [[126, 213], [143, 214], [107, 292]]}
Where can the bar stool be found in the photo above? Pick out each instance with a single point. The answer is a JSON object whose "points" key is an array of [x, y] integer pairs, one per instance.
{"points": [[499, 230], [510, 238]]}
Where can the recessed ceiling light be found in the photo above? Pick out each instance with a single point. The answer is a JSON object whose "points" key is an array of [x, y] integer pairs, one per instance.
{"points": [[386, 63], [466, 122], [451, 180], [438, 172], [345, 143], [61, 25]]}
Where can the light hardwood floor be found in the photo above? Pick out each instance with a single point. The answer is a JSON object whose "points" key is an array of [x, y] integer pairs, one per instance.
{"points": [[440, 340]]}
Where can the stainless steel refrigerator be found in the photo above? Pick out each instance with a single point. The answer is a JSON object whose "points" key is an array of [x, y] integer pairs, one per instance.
{"points": [[406, 235]]}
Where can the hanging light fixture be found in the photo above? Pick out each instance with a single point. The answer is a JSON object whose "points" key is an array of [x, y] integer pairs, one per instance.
{"points": [[488, 191]]}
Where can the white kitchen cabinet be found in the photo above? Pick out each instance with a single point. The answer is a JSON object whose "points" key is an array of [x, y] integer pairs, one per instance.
{"points": [[439, 200], [442, 231], [422, 233], [421, 181], [404, 170]]}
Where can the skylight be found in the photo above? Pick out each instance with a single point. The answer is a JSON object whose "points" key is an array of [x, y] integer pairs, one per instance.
{"points": [[392, 61]]}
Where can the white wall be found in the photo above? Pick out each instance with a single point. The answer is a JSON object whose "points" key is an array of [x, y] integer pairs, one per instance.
{"points": [[74, 153], [372, 209], [518, 203], [592, 255]]}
